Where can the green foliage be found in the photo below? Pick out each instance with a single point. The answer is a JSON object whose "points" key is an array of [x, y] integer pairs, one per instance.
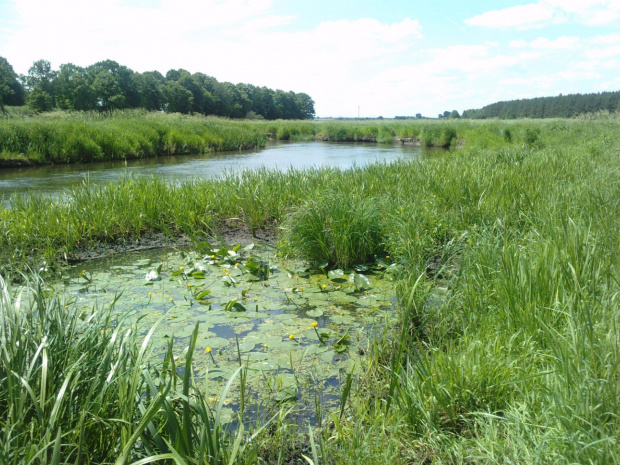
{"points": [[438, 135], [107, 86], [341, 228], [85, 388], [11, 90], [562, 106], [507, 344], [72, 137]]}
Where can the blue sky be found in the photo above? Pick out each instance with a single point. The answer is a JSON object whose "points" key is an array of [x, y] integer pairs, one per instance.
{"points": [[388, 57]]}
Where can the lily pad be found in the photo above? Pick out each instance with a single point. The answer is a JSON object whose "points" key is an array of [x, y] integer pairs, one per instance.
{"points": [[216, 342]]}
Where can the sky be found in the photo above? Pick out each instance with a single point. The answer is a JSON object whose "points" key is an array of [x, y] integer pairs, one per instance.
{"points": [[373, 58]]}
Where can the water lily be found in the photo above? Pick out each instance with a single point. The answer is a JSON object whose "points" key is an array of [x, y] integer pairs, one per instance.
{"points": [[152, 276]]}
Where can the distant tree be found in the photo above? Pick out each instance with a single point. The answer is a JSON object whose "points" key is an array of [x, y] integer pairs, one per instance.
{"points": [[40, 83], [305, 105], [115, 86], [446, 114], [454, 114], [108, 92], [150, 86], [74, 90], [565, 106], [418, 115], [11, 91], [177, 98], [39, 100]]}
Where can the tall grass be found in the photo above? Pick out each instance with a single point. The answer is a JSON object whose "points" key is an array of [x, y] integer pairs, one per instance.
{"points": [[70, 137], [507, 349], [85, 388], [84, 137], [341, 228]]}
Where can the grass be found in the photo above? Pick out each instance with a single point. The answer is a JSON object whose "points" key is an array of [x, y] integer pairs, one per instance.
{"points": [[507, 349], [87, 389], [81, 137]]}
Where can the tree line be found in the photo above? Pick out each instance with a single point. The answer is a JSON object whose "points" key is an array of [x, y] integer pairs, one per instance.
{"points": [[107, 86], [562, 106]]}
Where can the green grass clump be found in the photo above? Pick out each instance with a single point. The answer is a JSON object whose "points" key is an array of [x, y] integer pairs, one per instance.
{"points": [[340, 228], [85, 388]]}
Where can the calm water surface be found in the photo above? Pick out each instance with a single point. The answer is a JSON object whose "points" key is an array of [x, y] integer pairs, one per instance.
{"points": [[58, 179]]}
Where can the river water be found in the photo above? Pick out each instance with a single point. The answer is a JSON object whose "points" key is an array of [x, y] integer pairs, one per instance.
{"points": [[55, 180]]}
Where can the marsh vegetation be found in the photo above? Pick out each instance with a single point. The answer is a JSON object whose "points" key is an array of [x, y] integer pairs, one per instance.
{"points": [[503, 348]]}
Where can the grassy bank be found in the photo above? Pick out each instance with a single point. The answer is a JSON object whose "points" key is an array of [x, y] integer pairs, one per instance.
{"points": [[63, 137], [82, 137], [507, 349]]}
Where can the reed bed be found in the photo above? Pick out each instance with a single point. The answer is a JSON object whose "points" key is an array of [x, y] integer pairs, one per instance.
{"points": [[83, 137], [507, 348]]}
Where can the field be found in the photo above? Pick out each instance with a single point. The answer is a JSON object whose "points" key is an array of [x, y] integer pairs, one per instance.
{"points": [[507, 344]]}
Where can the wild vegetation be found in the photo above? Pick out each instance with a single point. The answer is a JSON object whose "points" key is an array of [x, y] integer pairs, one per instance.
{"points": [[507, 345], [70, 137], [106, 86], [84, 137], [561, 106]]}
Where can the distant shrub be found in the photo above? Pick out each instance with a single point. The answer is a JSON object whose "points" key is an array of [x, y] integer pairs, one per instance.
{"points": [[532, 136]]}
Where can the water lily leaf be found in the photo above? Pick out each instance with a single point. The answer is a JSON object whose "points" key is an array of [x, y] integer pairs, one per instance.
{"points": [[246, 346], [315, 313], [360, 281], [335, 274], [255, 356], [327, 357], [316, 349], [226, 415], [341, 319], [286, 394], [216, 342], [201, 295]]}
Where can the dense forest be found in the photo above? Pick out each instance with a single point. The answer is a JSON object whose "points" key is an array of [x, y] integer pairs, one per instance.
{"points": [[562, 106], [107, 85]]}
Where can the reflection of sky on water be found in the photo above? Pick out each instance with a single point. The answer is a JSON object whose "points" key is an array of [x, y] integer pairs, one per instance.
{"points": [[56, 179]]}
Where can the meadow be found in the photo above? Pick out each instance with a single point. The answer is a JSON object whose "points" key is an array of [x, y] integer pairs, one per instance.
{"points": [[507, 344]]}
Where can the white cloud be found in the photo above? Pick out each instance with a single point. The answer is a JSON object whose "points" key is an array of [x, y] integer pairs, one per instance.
{"points": [[549, 81], [515, 17], [544, 12], [561, 43], [518, 44]]}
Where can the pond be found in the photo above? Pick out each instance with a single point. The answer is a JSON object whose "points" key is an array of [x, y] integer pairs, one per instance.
{"points": [[299, 331], [56, 179]]}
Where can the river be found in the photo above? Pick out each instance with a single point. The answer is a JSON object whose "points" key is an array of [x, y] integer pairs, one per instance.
{"points": [[55, 180]]}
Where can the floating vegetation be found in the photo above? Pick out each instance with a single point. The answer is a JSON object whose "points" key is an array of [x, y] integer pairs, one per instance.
{"points": [[298, 332]]}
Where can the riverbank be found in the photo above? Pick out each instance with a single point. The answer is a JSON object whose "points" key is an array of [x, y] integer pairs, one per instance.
{"points": [[63, 137], [507, 342]]}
